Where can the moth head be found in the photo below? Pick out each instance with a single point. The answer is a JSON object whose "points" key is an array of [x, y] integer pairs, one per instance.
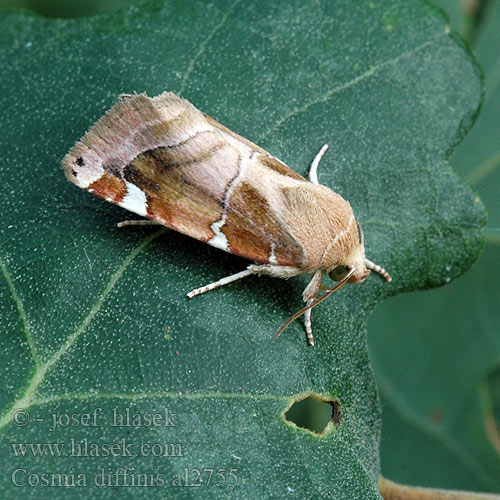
{"points": [[355, 261]]}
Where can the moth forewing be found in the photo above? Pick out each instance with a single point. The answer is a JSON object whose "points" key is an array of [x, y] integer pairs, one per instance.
{"points": [[167, 161]]}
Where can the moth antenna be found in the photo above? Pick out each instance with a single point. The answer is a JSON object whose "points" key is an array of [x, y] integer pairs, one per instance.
{"points": [[338, 286], [313, 171], [378, 269], [361, 234]]}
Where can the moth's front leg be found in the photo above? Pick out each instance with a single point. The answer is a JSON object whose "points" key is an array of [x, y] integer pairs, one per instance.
{"points": [[267, 269], [221, 282], [142, 222], [310, 293]]}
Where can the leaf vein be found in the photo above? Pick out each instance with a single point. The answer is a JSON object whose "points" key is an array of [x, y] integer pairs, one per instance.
{"points": [[422, 424], [203, 44], [27, 399], [339, 88], [136, 396], [115, 277], [481, 171], [21, 311]]}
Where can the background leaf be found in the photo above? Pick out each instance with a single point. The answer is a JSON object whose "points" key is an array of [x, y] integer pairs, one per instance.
{"points": [[95, 318], [439, 380]]}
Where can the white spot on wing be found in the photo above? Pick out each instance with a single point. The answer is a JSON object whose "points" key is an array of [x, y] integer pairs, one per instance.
{"points": [[272, 257], [135, 200], [219, 240]]}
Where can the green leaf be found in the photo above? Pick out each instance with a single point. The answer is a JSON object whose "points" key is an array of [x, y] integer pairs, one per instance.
{"points": [[439, 380], [67, 8], [95, 318]]}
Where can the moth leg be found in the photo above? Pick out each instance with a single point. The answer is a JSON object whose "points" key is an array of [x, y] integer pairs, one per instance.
{"points": [[308, 325], [275, 271], [266, 269], [221, 282], [310, 293], [313, 171], [143, 222]]}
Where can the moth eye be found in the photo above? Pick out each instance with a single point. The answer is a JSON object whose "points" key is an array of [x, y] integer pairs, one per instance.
{"points": [[339, 273]]}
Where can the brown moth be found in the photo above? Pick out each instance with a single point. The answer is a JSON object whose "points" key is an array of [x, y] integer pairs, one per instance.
{"points": [[167, 161]]}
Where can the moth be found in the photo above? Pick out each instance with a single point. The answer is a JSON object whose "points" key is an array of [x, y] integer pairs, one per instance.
{"points": [[165, 160]]}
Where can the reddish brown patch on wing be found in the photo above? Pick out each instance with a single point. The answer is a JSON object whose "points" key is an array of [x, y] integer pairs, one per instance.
{"points": [[246, 243], [281, 168], [172, 200], [186, 215], [252, 228], [109, 187]]}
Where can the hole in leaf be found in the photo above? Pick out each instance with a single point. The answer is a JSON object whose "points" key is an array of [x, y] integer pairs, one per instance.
{"points": [[314, 413]]}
